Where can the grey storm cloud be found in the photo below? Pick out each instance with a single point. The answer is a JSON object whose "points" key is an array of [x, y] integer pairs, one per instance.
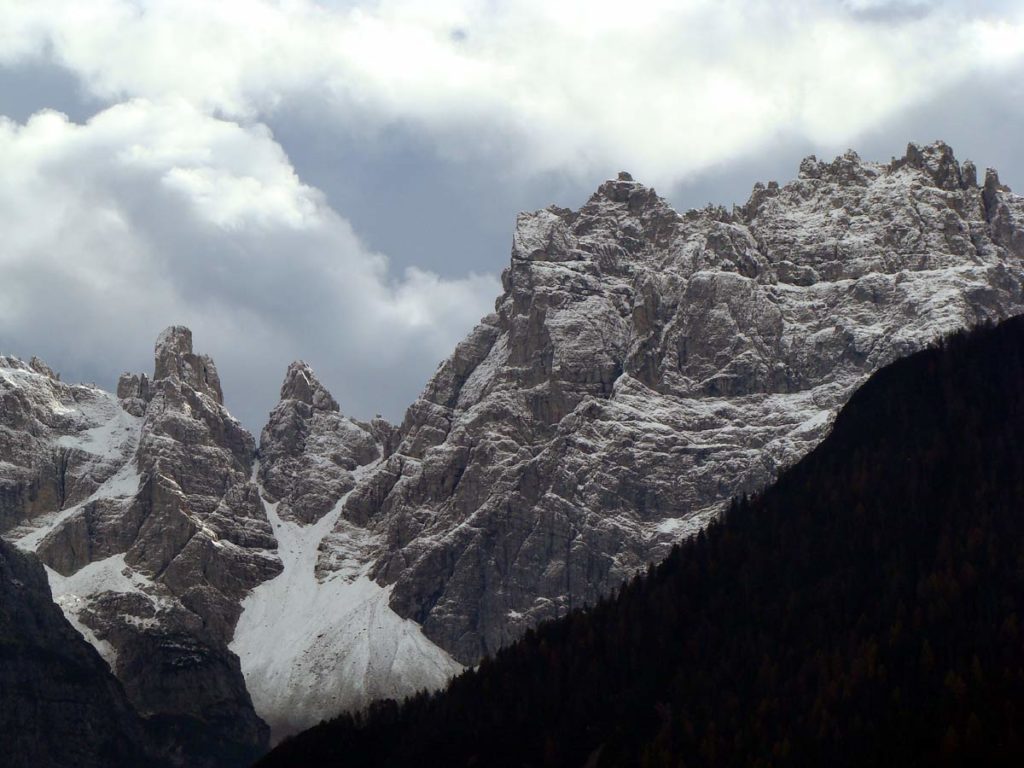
{"points": [[151, 214], [338, 181]]}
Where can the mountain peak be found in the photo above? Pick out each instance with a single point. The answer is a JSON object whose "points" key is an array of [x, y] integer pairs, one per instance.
{"points": [[175, 340], [938, 160], [301, 383], [174, 358], [42, 368], [623, 189], [663, 362]]}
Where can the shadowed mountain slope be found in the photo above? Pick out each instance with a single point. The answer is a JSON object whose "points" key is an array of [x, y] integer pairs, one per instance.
{"points": [[59, 704]]}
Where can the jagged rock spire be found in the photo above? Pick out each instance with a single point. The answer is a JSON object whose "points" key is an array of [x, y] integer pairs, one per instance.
{"points": [[308, 449], [938, 161], [174, 358], [301, 383]]}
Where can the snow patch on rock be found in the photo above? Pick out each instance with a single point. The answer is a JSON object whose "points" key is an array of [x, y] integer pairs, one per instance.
{"points": [[73, 593]]}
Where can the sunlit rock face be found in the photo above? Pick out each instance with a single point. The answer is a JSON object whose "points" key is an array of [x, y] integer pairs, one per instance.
{"points": [[643, 365], [309, 450]]}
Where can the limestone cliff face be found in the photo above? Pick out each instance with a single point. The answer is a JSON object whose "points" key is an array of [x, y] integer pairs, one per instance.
{"points": [[159, 524], [643, 365], [53, 444], [154, 532], [308, 450]]}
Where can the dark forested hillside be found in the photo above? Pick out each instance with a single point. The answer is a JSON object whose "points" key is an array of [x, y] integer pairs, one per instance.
{"points": [[60, 706], [865, 610]]}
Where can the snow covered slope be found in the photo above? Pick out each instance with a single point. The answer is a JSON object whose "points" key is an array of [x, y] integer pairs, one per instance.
{"points": [[312, 647]]}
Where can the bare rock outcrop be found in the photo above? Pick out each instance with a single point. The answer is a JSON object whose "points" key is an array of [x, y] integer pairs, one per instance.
{"points": [[154, 531], [308, 449], [644, 365], [58, 442]]}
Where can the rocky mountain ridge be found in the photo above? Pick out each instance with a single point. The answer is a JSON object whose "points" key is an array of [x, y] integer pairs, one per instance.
{"points": [[160, 528], [641, 367], [153, 533]]}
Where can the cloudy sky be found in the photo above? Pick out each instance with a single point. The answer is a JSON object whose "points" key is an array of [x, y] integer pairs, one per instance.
{"points": [[337, 181]]}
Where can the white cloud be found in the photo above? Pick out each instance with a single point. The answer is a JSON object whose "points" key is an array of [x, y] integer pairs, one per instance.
{"points": [[153, 213], [175, 204], [667, 88]]}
